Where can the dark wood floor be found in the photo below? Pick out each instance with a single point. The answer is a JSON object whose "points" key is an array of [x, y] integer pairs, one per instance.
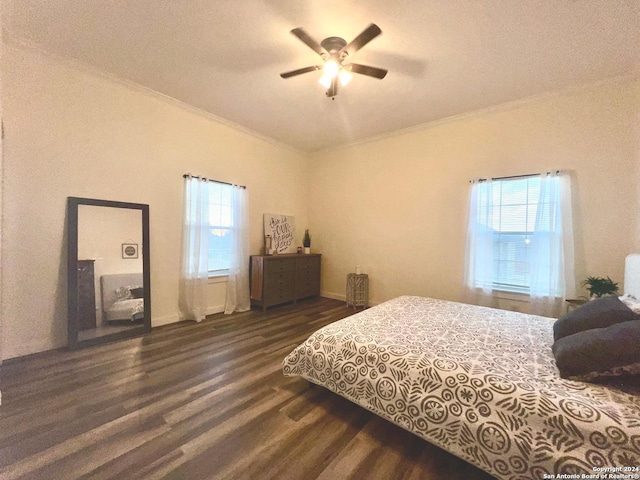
{"points": [[196, 401]]}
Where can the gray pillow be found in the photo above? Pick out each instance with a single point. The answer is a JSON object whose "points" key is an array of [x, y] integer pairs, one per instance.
{"points": [[599, 352], [599, 313], [137, 292]]}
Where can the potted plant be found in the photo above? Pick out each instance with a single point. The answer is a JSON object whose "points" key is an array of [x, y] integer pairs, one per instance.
{"points": [[599, 286], [306, 241]]}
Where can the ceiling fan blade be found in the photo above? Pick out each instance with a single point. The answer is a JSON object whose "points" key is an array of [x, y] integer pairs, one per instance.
{"points": [[367, 70], [300, 71], [307, 40], [369, 33]]}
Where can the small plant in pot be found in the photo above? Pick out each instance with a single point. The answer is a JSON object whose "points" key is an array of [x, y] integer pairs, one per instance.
{"points": [[306, 241], [600, 286]]}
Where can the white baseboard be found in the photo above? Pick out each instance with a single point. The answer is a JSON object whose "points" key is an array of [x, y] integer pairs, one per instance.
{"points": [[165, 320], [334, 296], [343, 298], [175, 317]]}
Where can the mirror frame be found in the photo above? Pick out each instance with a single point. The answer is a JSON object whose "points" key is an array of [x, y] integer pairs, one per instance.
{"points": [[72, 278]]}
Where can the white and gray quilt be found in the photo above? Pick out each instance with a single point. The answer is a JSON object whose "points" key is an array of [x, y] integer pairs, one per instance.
{"points": [[479, 382], [126, 309]]}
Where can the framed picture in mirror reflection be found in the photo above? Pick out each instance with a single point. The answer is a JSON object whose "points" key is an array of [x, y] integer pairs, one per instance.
{"points": [[129, 250]]}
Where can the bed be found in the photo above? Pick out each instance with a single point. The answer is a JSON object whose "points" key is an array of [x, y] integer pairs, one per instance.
{"points": [[481, 383], [122, 297]]}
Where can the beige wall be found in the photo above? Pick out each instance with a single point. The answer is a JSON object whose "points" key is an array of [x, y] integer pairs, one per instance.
{"points": [[73, 132], [397, 206], [1, 200]]}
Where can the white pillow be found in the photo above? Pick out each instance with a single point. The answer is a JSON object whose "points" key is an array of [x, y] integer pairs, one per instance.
{"points": [[124, 293]]}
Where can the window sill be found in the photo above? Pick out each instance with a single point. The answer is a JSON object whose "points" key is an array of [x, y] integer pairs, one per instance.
{"points": [[507, 295], [221, 277]]}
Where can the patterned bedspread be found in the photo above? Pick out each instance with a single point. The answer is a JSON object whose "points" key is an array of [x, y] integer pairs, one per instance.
{"points": [[478, 382]]}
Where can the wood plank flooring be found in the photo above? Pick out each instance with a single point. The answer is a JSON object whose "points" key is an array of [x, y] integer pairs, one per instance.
{"points": [[199, 401]]}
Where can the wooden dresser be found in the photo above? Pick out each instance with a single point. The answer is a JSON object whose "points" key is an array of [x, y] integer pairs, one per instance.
{"points": [[86, 295], [277, 279]]}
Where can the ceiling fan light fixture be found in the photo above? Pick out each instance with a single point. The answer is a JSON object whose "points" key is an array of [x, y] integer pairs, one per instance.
{"points": [[325, 81], [345, 77], [331, 69]]}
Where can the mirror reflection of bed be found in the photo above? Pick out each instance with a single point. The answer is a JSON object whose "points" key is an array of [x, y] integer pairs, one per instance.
{"points": [[110, 271], [121, 305]]}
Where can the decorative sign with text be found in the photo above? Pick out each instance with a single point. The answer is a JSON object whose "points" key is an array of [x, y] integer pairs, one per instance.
{"points": [[282, 230]]}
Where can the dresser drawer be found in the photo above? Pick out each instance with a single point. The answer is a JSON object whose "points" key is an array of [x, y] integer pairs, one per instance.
{"points": [[279, 281], [277, 297], [305, 275], [273, 265], [308, 264], [307, 289]]}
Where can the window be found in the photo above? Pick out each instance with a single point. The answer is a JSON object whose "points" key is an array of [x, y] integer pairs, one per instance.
{"points": [[520, 237], [210, 210], [220, 227], [215, 241], [511, 218]]}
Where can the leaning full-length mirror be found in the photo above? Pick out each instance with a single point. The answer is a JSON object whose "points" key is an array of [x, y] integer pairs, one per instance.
{"points": [[109, 287]]}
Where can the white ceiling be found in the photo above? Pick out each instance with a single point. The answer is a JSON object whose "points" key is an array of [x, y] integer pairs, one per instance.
{"points": [[445, 57]]}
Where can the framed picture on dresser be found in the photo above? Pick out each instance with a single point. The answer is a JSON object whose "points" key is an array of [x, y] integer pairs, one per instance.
{"points": [[281, 230]]}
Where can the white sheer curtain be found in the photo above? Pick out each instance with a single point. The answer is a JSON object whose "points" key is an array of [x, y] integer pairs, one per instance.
{"points": [[238, 280], [552, 277], [194, 272], [551, 257], [479, 252]]}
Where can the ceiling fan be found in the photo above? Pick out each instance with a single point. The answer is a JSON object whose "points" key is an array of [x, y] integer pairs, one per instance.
{"points": [[335, 52]]}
